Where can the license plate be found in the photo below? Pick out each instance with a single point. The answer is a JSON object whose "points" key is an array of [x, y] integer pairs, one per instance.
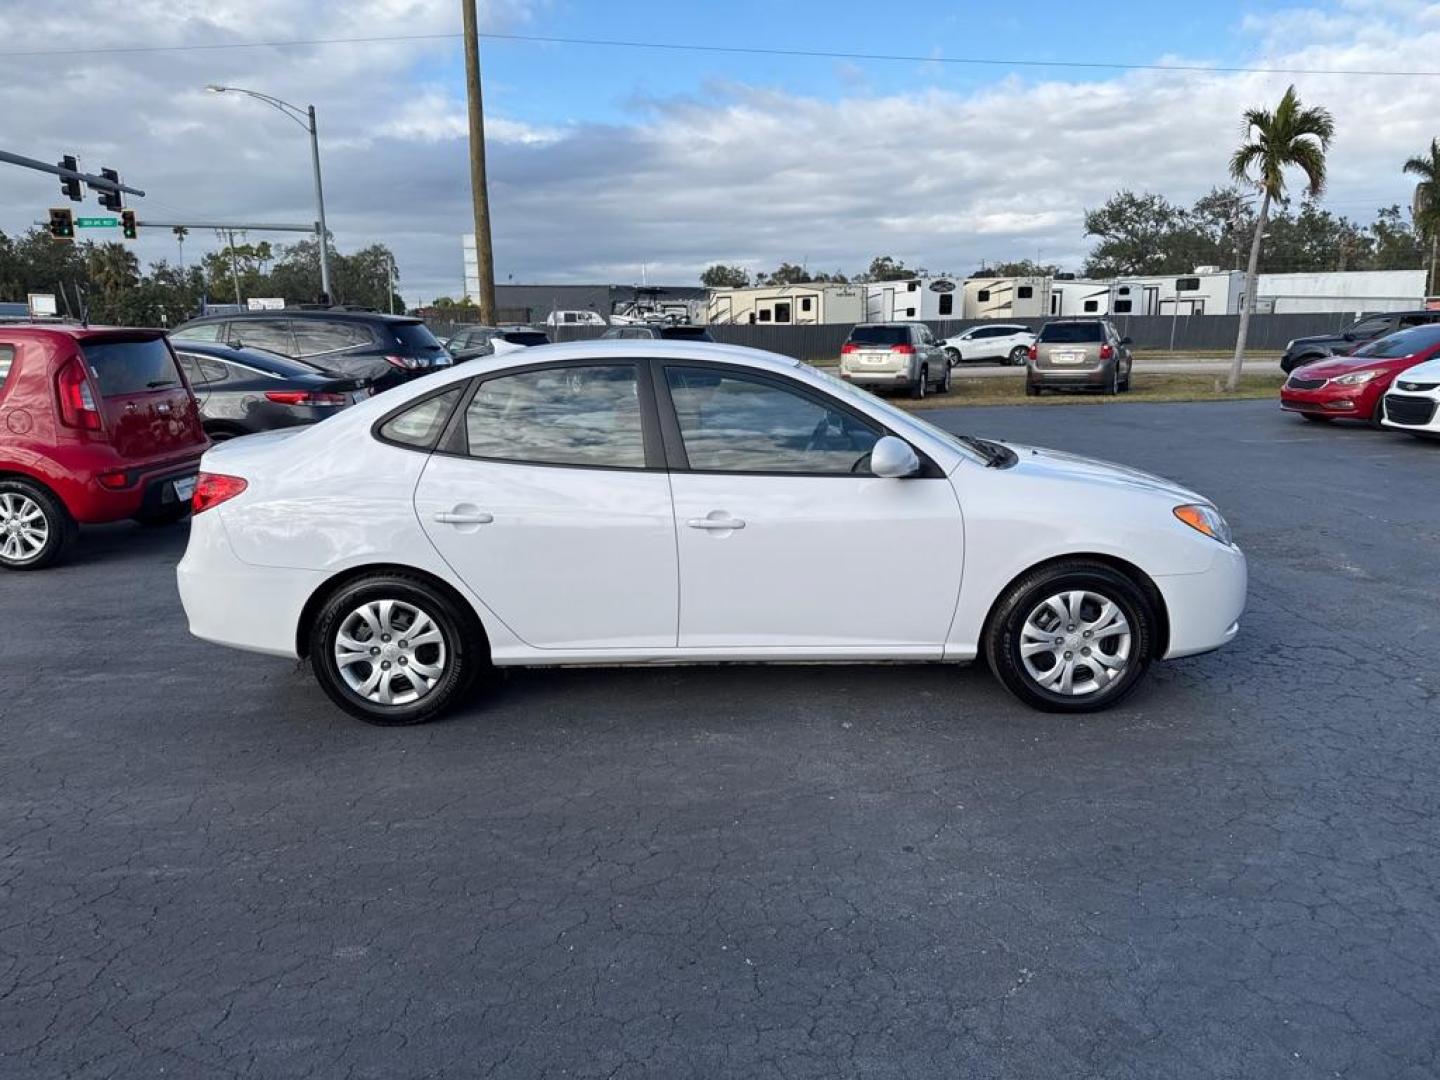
{"points": [[184, 488], [1069, 356]]}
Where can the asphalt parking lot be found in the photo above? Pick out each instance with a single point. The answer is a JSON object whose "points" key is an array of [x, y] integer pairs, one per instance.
{"points": [[208, 871]]}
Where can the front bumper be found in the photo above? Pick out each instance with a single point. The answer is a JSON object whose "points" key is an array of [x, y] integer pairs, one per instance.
{"points": [[1331, 400], [1204, 609], [1418, 412]]}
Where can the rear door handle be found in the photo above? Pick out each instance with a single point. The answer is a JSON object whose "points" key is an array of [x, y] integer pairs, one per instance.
{"points": [[715, 524], [445, 517]]}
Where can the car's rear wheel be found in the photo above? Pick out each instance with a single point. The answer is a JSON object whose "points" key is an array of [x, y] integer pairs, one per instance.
{"points": [[1073, 637], [953, 356], [393, 650], [35, 528], [944, 387], [1019, 355], [917, 390]]}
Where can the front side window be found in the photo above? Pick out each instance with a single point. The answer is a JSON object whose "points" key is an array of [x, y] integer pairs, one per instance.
{"points": [[420, 425], [731, 422], [586, 415], [1368, 328]]}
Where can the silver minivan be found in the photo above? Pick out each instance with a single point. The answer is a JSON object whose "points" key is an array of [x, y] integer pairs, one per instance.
{"points": [[896, 355]]}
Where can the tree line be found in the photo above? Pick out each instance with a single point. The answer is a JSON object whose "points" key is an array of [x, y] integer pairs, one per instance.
{"points": [[106, 280]]}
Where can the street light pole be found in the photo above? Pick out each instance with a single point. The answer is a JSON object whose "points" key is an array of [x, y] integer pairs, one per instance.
{"points": [[306, 119]]}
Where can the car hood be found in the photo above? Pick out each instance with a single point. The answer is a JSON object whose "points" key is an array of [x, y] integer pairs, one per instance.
{"points": [[1338, 365], [1327, 340], [1429, 371], [1056, 465]]}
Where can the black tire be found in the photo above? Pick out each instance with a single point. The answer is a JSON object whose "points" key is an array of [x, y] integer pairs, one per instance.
{"points": [[1316, 418], [19, 500], [1114, 387], [954, 357], [1004, 634], [1031, 390], [1125, 384], [220, 435], [1377, 414], [1019, 355], [918, 388], [944, 387], [460, 652]]}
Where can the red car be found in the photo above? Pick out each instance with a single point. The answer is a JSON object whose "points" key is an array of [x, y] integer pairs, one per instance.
{"points": [[96, 425], [1354, 386]]}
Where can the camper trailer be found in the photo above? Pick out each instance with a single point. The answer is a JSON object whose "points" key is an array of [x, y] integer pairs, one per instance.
{"points": [[1007, 298], [787, 305], [1208, 291], [913, 298], [1077, 296]]}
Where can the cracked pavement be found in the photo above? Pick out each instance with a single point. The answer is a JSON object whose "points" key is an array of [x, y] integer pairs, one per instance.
{"points": [[207, 870]]}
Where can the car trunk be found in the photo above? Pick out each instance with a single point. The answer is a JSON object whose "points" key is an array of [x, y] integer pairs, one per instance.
{"points": [[146, 407]]}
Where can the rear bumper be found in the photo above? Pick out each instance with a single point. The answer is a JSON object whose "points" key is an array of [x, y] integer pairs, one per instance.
{"points": [[877, 378], [1204, 609], [1099, 376], [148, 489]]}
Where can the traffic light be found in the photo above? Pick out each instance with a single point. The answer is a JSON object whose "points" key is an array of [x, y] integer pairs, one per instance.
{"points": [[111, 199], [69, 185], [127, 224], [62, 223]]}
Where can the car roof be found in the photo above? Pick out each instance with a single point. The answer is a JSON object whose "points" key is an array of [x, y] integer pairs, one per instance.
{"points": [[307, 313], [75, 332], [637, 348], [897, 322]]}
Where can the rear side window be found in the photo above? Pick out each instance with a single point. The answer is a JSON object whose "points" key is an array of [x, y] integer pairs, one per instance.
{"points": [[314, 336], [7, 361], [202, 332], [420, 425], [880, 335], [1072, 333], [415, 335], [120, 368], [272, 334]]}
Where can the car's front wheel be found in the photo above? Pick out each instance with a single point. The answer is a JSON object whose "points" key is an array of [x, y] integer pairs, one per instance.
{"points": [[1073, 637], [1019, 355], [35, 528], [952, 356], [394, 650], [944, 386], [922, 384]]}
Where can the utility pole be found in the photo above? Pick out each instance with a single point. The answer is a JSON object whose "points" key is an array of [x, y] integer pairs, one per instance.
{"points": [[479, 192], [234, 276]]}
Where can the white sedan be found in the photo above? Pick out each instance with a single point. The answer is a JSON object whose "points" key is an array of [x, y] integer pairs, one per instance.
{"points": [[626, 502], [997, 343], [1413, 401]]}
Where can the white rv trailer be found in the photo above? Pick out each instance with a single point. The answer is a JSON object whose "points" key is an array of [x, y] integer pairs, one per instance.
{"points": [[1078, 296], [913, 298], [788, 305], [1007, 298], [1348, 291], [1207, 291]]}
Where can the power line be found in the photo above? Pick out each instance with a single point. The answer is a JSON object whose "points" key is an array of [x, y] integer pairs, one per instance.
{"points": [[742, 50]]}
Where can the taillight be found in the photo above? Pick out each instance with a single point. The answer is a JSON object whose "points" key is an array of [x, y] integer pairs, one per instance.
{"points": [[212, 489], [1106, 352], [304, 397], [75, 398], [405, 363], [848, 347], [908, 350], [1034, 353], [115, 481]]}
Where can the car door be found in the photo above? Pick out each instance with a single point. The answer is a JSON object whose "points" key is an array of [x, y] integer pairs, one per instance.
{"points": [[786, 541], [935, 357], [549, 499]]}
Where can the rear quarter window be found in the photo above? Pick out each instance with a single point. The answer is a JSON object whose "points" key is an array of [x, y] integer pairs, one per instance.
{"points": [[415, 336], [121, 368], [7, 362]]}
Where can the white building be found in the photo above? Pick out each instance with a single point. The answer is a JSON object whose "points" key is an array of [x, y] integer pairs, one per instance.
{"points": [[788, 305], [1007, 298], [913, 298], [1352, 291]]}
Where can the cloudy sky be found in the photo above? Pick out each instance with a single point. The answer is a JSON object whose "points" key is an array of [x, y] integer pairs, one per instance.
{"points": [[610, 162]]}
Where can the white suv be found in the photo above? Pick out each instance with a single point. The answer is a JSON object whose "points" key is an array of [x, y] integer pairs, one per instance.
{"points": [[1003, 344]]}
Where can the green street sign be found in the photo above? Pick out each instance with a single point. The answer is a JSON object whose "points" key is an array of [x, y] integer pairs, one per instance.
{"points": [[96, 222]]}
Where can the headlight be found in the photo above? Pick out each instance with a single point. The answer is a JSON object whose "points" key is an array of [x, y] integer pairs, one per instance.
{"points": [[1205, 519], [1355, 378]]}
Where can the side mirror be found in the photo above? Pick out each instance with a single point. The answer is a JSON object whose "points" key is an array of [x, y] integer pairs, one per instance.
{"points": [[1127, 341], [893, 457]]}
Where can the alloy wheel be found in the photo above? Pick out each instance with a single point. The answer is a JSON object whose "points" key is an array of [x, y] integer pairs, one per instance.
{"points": [[24, 530], [1075, 643], [390, 652]]}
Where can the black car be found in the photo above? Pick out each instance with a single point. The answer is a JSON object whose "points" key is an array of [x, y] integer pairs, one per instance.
{"points": [[242, 391], [382, 350], [1367, 328], [474, 341], [658, 330]]}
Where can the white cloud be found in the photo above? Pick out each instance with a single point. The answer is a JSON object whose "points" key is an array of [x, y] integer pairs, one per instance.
{"points": [[729, 172]]}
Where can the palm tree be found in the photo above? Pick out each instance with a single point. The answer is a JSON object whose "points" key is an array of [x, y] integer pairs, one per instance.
{"points": [[1292, 135], [1427, 203], [181, 232]]}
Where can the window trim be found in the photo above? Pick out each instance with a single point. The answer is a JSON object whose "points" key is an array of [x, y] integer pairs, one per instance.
{"points": [[678, 461], [454, 442], [377, 427]]}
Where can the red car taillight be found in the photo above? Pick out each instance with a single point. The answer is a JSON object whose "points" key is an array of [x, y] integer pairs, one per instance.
{"points": [[75, 398], [1106, 352], [908, 350], [212, 489], [848, 347], [305, 397], [404, 363], [1034, 352]]}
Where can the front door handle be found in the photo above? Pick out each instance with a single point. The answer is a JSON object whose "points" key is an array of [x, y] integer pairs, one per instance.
{"points": [[716, 524], [446, 517]]}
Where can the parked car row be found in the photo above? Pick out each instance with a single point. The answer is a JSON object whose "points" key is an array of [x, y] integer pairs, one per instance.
{"points": [[1391, 382]]}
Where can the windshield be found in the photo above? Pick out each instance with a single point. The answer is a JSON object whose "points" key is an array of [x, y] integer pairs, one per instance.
{"points": [[414, 335], [880, 335], [1405, 343], [1071, 333], [899, 417]]}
